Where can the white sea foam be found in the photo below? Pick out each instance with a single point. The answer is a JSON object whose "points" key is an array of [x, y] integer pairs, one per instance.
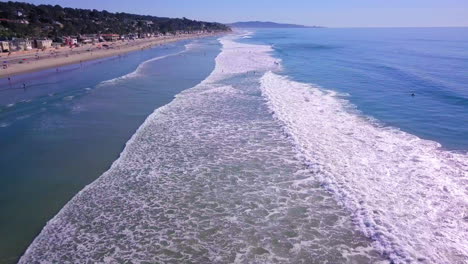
{"points": [[192, 46], [211, 178], [406, 193], [239, 58], [208, 178]]}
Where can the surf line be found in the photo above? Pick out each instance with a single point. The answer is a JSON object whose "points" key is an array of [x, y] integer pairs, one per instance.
{"points": [[141, 65]]}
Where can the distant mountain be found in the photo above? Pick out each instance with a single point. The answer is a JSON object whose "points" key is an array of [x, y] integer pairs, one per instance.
{"points": [[259, 24]]}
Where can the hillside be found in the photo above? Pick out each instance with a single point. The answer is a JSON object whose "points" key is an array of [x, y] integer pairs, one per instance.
{"points": [[259, 24], [27, 20]]}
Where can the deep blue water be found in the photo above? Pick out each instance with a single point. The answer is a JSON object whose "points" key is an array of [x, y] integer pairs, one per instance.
{"points": [[379, 68]]}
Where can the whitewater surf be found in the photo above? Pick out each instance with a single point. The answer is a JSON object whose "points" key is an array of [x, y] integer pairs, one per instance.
{"points": [[252, 167]]}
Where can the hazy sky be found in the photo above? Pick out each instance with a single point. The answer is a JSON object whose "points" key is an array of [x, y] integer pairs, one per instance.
{"points": [[331, 13]]}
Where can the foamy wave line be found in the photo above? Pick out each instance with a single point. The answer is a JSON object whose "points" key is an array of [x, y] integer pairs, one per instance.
{"points": [[137, 71], [125, 156], [405, 193], [290, 101]]}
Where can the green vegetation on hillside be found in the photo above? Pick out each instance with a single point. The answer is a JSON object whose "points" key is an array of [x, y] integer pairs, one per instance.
{"points": [[27, 20]]}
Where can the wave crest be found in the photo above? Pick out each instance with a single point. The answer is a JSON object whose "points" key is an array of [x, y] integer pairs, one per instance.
{"points": [[405, 193]]}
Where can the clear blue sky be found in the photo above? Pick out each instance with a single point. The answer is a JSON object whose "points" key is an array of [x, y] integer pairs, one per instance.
{"points": [[331, 13]]}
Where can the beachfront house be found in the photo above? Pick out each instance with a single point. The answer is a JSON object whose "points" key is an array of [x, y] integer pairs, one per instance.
{"points": [[57, 45], [143, 35], [4, 46], [19, 44], [88, 39], [70, 41], [132, 36], [43, 43], [110, 37], [85, 41]]}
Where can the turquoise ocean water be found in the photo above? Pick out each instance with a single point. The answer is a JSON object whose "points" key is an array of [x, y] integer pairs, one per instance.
{"points": [[67, 128], [280, 146], [380, 68]]}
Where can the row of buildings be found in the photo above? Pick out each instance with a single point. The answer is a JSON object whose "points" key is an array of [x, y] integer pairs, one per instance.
{"points": [[19, 44], [96, 38]]}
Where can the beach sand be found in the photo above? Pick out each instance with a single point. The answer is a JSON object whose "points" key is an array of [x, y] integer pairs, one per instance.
{"points": [[35, 60]]}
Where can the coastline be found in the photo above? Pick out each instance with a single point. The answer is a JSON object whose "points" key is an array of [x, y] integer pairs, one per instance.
{"points": [[99, 119], [34, 60]]}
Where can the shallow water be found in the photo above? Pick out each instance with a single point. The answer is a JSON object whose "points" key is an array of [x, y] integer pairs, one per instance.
{"points": [[259, 164], [67, 128], [208, 178]]}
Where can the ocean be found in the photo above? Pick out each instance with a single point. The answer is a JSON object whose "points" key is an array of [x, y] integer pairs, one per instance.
{"points": [[67, 128], [282, 146]]}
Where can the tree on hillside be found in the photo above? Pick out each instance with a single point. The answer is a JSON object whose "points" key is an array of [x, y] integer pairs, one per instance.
{"points": [[52, 21]]}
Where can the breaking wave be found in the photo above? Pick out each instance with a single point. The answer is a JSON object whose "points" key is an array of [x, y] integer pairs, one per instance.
{"points": [[406, 193], [220, 176]]}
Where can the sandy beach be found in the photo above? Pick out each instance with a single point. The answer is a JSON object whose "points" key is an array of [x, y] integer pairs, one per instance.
{"points": [[35, 60]]}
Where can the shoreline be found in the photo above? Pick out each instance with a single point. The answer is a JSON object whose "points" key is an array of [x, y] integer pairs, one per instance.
{"points": [[34, 60]]}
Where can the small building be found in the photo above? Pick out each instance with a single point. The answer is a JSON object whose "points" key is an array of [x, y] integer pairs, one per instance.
{"points": [[145, 35], [110, 37], [132, 36], [4, 46], [43, 43], [88, 39], [70, 41], [57, 45], [20, 44]]}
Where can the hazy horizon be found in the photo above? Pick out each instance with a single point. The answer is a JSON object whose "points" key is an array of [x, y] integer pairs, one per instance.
{"points": [[336, 14]]}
